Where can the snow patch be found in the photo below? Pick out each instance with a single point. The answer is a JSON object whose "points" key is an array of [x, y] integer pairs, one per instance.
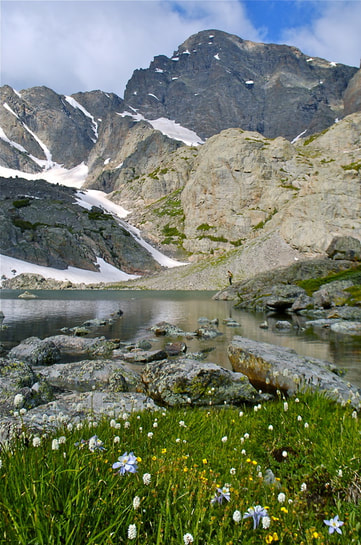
{"points": [[169, 128], [154, 96], [107, 272], [75, 104], [107, 161], [216, 56], [298, 136], [159, 70], [74, 177]]}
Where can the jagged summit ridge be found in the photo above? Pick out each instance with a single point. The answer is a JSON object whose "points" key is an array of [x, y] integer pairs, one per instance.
{"points": [[216, 80]]}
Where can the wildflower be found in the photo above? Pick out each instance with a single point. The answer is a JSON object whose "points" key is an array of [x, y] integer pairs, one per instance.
{"points": [[266, 521], [62, 440], [132, 531], [224, 439], [285, 406], [303, 487], [188, 538], [221, 494], [112, 423], [334, 525], [150, 435], [241, 413], [147, 478], [36, 441], [243, 452], [127, 463], [55, 444], [116, 439], [95, 444], [281, 497], [306, 425], [284, 453], [205, 461], [69, 426], [232, 471], [339, 473], [18, 400], [136, 502], [127, 425], [270, 427], [354, 414], [257, 513], [1, 463], [246, 436], [237, 516], [284, 510], [182, 424], [299, 418], [22, 411], [155, 424]]}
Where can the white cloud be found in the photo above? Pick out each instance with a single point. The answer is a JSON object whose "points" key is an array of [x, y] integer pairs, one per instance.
{"points": [[334, 35], [84, 45]]}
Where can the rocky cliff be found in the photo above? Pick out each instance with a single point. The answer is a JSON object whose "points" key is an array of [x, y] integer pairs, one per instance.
{"points": [[44, 224]]}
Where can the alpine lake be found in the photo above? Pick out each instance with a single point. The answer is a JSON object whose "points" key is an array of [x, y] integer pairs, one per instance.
{"points": [[51, 311]]}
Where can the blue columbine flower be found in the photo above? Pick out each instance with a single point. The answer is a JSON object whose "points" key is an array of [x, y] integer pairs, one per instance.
{"points": [[221, 494], [334, 524], [127, 463], [257, 513]]}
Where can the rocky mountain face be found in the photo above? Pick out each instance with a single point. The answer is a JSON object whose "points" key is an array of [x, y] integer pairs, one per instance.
{"points": [[215, 81], [276, 179], [43, 223]]}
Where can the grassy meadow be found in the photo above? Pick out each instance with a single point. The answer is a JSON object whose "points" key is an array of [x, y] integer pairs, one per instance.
{"points": [[272, 473]]}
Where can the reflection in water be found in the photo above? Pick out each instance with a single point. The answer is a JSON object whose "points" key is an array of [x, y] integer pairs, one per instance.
{"points": [[54, 310]]}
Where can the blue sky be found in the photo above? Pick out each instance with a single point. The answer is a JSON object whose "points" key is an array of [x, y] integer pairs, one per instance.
{"points": [[83, 45]]}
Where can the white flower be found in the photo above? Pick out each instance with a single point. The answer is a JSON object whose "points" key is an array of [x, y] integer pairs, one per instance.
{"points": [[69, 427], [132, 531], [36, 441], [116, 439], [155, 424], [136, 502], [281, 497], [23, 411], [270, 427], [354, 414], [147, 478], [178, 440], [1, 463], [339, 473], [55, 444], [232, 471], [243, 452], [112, 423], [297, 400], [285, 406], [246, 436], [224, 439], [62, 440], [284, 453], [303, 487], [240, 413], [188, 538], [150, 435], [306, 425], [266, 521], [237, 516], [18, 400], [79, 426], [299, 418], [182, 424]]}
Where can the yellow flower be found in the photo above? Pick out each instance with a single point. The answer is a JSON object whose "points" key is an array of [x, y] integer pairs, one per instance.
{"points": [[275, 536], [185, 470], [164, 450], [205, 461], [269, 538], [316, 535], [139, 459], [254, 462], [154, 458], [284, 509]]}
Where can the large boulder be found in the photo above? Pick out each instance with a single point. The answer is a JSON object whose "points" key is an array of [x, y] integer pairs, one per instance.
{"points": [[189, 382], [75, 345], [36, 351], [345, 248], [84, 376], [274, 368]]}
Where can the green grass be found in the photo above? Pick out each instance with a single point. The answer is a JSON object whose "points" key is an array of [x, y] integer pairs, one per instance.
{"points": [[72, 496], [313, 284]]}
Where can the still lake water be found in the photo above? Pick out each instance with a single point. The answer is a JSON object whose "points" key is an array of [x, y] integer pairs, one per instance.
{"points": [[53, 310]]}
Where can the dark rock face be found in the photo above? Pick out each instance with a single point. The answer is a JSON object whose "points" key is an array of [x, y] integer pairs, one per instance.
{"points": [[345, 248], [216, 81], [43, 224], [352, 96]]}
